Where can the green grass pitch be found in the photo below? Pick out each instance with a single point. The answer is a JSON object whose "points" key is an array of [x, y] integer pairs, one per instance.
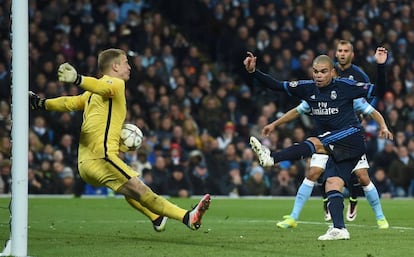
{"points": [[103, 227]]}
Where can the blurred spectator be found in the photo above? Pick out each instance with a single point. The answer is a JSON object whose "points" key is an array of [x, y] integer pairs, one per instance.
{"points": [[301, 72], [166, 127], [146, 177], [400, 139], [66, 123], [45, 134], [256, 183], [386, 156], [177, 135], [69, 150], [246, 103], [202, 181], [210, 115], [190, 128], [195, 157], [410, 147], [401, 171], [45, 169], [130, 6], [175, 153], [62, 178], [5, 81], [160, 174], [231, 157], [178, 183], [67, 178], [243, 128], [37, 184], [256, 129], [383, 183], [5, 173], [5, 118], [282, 184], [142, 162], [232, 183], [227, 136], [36, 146], [231, 110], [247, 162]]}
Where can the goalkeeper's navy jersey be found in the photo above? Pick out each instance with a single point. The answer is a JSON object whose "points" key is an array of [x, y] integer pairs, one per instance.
{"points": [[331, 106]]}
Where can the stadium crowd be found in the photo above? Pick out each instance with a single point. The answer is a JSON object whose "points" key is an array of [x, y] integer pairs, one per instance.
{"points": [[191, 96]]}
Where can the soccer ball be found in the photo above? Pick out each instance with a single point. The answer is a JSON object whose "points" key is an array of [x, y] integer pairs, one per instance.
{"points": [[131, 137]]}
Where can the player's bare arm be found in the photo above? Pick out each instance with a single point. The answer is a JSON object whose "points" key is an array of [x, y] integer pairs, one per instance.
{"points": [[292, 114], [250, 62], [381, 55], [383, 131]]}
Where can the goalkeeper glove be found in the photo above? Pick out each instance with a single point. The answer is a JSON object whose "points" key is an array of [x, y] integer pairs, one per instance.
{"points": [[36, 102], [67, 73]]}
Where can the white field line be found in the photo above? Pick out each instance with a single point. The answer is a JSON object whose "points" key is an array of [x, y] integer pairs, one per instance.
{"points": [[316, 223]]}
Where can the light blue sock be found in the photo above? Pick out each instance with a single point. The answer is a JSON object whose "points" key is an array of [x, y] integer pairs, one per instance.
{"points": [[372, 196], [303, 194]]}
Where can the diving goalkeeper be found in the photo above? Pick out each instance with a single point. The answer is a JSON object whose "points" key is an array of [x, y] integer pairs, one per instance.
{"points": [[104, 110]]}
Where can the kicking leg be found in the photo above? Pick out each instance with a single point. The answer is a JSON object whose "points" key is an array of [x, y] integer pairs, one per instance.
{"points": [[295, 152]]}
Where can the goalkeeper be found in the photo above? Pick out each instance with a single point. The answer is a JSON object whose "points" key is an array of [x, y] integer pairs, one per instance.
{"points": [[104, 111]]}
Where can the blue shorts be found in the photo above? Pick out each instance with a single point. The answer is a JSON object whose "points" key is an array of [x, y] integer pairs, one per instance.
{"points": [[344, 144]]}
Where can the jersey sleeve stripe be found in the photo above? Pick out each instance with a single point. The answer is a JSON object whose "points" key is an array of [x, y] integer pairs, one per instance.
{"points": [[108, 123]]}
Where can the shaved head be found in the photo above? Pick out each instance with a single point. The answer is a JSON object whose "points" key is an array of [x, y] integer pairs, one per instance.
{"points": [[323, 59]]}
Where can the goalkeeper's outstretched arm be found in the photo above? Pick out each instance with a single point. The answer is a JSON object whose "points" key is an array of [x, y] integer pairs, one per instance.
{"points": [[60, 104]]}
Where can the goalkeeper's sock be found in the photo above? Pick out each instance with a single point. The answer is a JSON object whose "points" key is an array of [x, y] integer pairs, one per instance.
{"points": [[372, 196], [336, 208], [303, 194], [294, 152], [161, 206], [137, 206]]}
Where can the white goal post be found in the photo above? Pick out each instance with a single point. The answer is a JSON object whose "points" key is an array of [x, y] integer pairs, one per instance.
{"points": [[17, 245]]}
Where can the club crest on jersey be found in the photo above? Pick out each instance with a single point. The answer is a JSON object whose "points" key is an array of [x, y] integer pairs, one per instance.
{"points": [[109, 81], [293, 84], [333, 95]]}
